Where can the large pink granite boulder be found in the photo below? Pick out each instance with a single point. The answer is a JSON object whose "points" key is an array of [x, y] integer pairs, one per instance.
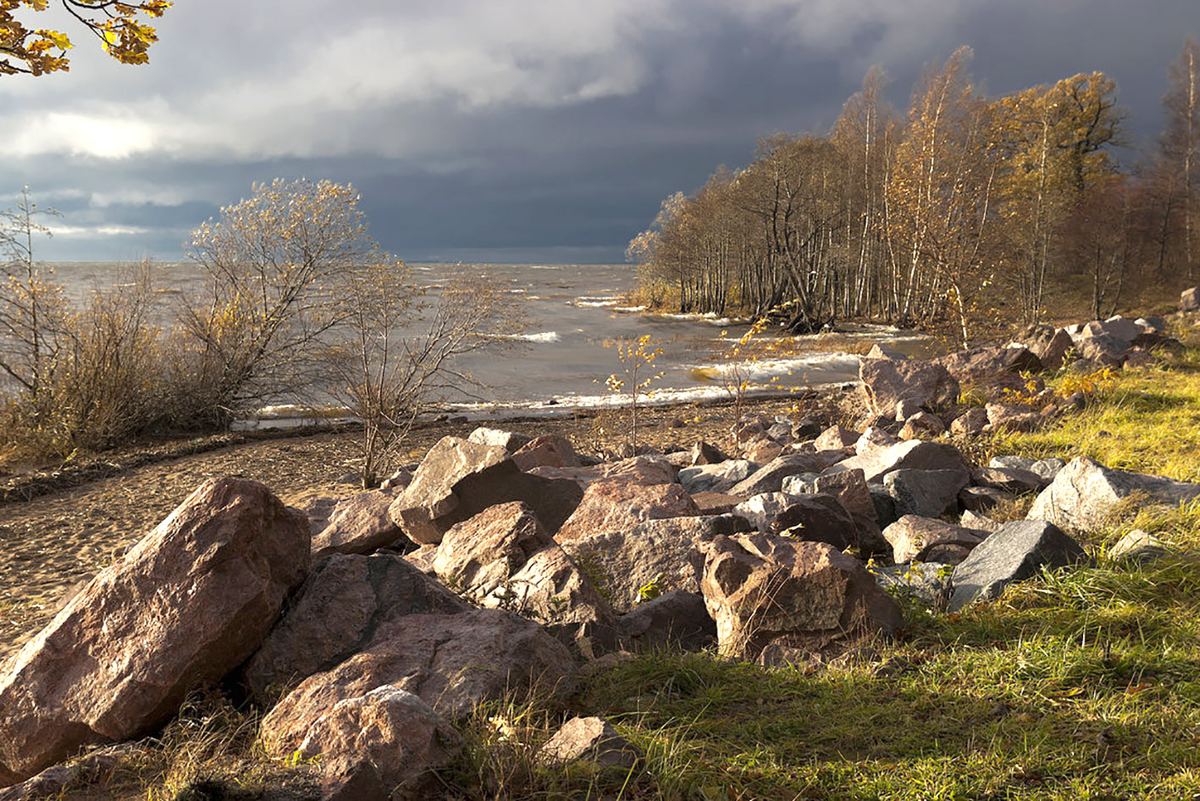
{"points": [[185, 606]]}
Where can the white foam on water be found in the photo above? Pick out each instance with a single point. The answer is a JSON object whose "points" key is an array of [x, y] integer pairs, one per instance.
{"points": [[596, 301], [542, 337], [762, 371], [630, 309], [712, 318]]}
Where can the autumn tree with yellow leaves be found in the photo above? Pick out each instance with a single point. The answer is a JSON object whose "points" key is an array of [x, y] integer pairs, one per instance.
{"points": [[967, 211], [120, 27]]}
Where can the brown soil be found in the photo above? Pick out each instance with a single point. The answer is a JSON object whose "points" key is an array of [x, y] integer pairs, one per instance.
{"points": [[53, 543]]}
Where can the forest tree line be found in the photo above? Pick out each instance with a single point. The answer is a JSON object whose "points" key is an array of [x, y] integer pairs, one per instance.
{"points": [[967, 210]]}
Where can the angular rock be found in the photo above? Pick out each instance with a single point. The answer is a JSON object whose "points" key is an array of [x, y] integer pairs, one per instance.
{"points": [[888, 381], [764, 590], [928, 493], [659, 551], [761, 450], [1012, 417], [387, 737], [1085, 493], [907, 408], [817, 518], [548, 450], [970, 423], [1104, 349], [922, 424], [769, 477], [616, 506], [676, 619], [706, 453], [1139, 546], [1047, 468], [923, 539], [852, 492], [884, 503], [1049, 344], [881, 351], [591, 740], [336, 613], [836, 437], [1189, 300], [1014, 553], [453, 662], [478, 556], [913, 455], [511, 441], [715, 503], [761, 510], [458, 479], [1008, 479], [982, 499], [181, 609], [972, 519], [873, 438], [552, 590], [720, 477], [360, 524], [1119, 328], [642, 470], [1012, 463], [986, 365]]}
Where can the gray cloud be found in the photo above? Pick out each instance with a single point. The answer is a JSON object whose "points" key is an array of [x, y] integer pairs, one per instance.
{"points": [[507, 129]]}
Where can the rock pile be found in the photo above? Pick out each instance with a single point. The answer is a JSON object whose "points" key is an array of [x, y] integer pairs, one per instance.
{"points": [[502, 564]]}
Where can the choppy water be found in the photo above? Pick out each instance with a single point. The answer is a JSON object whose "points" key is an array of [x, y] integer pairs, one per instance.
{"points": [[577, 313]]}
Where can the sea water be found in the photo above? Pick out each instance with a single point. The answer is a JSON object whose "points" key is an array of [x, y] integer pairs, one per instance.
{"points": [[576, 315]]}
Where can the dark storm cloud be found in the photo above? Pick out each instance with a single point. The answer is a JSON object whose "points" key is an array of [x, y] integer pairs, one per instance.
{"points": [[508, 129]]}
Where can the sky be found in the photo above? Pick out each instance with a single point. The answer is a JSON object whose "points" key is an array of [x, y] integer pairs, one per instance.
{"points": [[506, 130]]}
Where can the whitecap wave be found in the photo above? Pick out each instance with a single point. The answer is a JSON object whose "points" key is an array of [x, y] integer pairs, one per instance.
{"points": [[707, 317], [819, 368], [596, 301], [541, 337]]}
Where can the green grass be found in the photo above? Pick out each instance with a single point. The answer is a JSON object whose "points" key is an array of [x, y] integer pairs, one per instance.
{"points": [[1079, 684], [1147, 420]]}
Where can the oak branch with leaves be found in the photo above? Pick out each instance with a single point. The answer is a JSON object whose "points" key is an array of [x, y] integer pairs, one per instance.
{"points": [[120, 27]]}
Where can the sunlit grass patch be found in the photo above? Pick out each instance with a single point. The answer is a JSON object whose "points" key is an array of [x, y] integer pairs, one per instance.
{"points": [[1147, 420]]}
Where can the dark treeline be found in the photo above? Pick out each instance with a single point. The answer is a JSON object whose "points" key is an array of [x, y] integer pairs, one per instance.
{"points": [[969, 209]]}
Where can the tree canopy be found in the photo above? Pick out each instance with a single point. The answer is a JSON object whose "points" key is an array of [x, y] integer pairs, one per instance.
{"points": [[120, 27]]}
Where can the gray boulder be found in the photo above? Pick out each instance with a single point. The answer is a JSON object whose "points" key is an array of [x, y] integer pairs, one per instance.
{"points": [[1189, 300], [1085, 493], [928, 493], [1014, 553], [923, 539], [769, 477], [912, 455], [720, 477], [677, 619]]}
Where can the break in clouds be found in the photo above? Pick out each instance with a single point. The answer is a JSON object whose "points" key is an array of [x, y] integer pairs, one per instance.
{"points": [[507, 130]]}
